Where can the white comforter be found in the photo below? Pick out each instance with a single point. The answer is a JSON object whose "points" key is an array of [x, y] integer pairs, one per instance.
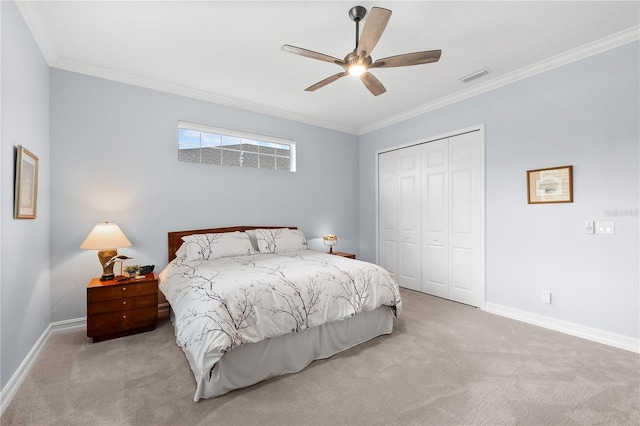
{"points": [[227, 302]]}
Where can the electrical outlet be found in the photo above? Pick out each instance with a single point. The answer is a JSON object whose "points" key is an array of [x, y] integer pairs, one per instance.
{"points": [[546, 296]]}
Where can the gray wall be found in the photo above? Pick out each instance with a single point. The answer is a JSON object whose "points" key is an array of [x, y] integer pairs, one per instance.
{"points": [[115, 158], [24, 277], [584, 114]]}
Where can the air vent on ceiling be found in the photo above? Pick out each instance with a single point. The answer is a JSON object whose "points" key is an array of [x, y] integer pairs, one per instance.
{"points": [[476, 74]]}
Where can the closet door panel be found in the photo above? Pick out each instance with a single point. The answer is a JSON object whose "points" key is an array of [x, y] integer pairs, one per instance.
{"points": [[435, 218], [388, 211], [409, 222], [465, 233]]}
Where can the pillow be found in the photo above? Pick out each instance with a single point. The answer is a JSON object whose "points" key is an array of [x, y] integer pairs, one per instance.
{"points": [[182, 251], [215, 246], [252, 237], [280, 240]]}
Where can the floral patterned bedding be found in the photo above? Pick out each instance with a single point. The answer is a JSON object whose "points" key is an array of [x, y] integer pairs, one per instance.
{"points": [[221, 304]]}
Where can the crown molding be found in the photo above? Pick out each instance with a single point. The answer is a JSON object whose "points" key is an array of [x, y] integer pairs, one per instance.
{"points": [[36, 27], [610, 42], [176, 89]]}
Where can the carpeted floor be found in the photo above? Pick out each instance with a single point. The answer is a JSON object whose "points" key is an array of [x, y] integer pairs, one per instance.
{"points": [[445, 363]]}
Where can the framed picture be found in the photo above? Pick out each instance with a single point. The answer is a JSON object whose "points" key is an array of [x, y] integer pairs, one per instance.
{"points": [[26, 190], [554, 185]]}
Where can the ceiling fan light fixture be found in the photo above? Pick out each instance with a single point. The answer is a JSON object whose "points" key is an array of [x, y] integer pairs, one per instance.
{"points": [[357, 69]]}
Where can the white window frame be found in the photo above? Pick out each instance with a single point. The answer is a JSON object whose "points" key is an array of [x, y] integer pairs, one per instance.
{"points": [[202, 128]]}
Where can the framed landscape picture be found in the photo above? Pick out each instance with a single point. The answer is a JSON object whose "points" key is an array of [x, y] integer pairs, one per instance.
{"points": [[553, 185], [26, 189]]}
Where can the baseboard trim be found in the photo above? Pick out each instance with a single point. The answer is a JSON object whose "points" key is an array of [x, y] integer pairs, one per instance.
{"points": [[12, 386], [594, 334], [68, 325], [14, 383]]}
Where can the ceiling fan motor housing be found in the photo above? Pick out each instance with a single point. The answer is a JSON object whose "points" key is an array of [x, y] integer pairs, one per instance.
{"points": [[353, 58]]}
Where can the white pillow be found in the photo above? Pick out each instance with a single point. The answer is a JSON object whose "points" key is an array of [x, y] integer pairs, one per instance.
{"points": [[280, 240], [252, 237], [182, 251], [215, 246]]}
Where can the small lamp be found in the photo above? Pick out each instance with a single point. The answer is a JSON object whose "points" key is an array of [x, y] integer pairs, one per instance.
{"points": [[330, 240], [106, 238]]}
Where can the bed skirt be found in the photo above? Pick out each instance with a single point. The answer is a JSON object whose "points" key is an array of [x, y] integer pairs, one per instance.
{"points": [[252, 363]]}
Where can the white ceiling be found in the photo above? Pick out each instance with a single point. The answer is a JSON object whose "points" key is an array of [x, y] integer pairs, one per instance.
{"points": [[229, 51]]}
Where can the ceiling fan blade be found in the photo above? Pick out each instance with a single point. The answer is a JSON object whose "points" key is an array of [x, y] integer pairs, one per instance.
{"points": [[373, 84], [311, 54], [373, 28], [326, 81], [407, 59]]}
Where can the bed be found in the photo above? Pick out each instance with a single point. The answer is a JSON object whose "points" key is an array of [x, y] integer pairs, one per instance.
{"points": [[253, 302]]}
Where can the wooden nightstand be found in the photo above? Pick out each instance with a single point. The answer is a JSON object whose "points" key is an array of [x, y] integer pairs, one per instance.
{"points": [[121, 308], [343, 254]]}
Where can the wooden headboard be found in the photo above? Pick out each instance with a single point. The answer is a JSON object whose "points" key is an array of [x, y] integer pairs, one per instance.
{"points": [[175, 238]]}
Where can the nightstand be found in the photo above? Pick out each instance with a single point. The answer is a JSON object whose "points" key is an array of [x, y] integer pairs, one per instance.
{"points": [[120, 308], [343, 254]]}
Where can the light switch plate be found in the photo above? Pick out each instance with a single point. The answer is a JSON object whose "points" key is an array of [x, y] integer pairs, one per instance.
{"points": [[589, 227], [605, 228]]}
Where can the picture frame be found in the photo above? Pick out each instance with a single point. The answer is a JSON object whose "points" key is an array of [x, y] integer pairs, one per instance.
{"points": [[26, 185], [551, 185]]}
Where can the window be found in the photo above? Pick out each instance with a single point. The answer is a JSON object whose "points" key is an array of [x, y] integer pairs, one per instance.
{"points": [[211, 145]]}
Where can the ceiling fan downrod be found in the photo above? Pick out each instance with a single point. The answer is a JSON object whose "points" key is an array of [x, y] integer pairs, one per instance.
{"points": [[357, 14]]}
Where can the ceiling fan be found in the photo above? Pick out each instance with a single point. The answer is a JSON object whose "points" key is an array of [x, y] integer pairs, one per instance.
{"points": [[359, 61]]}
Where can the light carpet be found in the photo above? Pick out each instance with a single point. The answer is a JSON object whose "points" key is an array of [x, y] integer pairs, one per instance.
{"points": [[444, 364]]}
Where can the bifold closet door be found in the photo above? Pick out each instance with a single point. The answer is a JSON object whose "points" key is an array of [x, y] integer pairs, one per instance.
{"points": [[430, 214], [409, 220], [452, 215], [466, 239], [435, 218], [388, 211], [399, 211]]}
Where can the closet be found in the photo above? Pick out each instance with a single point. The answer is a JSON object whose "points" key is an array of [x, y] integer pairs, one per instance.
{"points": [[431, 216]]}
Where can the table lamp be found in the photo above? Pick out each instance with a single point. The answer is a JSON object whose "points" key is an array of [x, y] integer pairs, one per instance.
{"points": [[330, 240], [106, 238]]}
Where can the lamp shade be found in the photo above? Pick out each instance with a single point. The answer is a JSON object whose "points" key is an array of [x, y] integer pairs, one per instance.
{"points": [[330, 240], [105, 236]]}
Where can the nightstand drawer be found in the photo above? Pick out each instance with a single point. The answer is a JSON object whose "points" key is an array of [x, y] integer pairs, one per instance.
{"points": [[115, 322], [129, 289], [124, 304]]}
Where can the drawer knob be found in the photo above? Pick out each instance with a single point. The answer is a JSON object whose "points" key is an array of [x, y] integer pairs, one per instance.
{"points": [[124, 289], [124, 317], [124, 302]]}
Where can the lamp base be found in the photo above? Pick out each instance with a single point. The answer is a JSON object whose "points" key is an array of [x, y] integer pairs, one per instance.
{"points": [[107, 271], [331, 250]]}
